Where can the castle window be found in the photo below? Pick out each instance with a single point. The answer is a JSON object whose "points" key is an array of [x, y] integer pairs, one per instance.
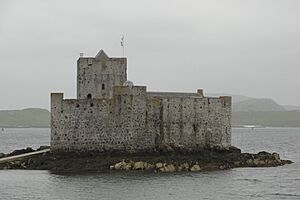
{"points": [[89, 96], [103, 86]]}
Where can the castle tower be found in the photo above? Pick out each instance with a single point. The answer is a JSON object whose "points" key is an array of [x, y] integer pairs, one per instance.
{"points": [[96, 76]]}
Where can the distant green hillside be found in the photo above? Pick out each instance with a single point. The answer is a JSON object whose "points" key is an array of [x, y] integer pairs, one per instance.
{"points": [[31, 117], [274, 119], [257, 105]]}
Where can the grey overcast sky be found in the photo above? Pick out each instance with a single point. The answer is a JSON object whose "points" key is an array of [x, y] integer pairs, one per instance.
{"points": [[247, 47]]}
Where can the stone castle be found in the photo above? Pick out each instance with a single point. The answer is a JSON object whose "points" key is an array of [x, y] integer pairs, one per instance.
{"points": [[111, 114]]}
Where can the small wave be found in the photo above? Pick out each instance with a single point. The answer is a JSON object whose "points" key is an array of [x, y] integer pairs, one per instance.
{"points": [[250, 180], [285, 194]]}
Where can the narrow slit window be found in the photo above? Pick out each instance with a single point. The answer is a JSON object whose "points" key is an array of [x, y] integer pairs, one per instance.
{"points": [[103, 86]]}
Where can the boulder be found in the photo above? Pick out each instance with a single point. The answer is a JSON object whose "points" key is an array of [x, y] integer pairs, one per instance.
{"points": [[169, 168], [195, 168], [276, 156], [158, 165], [179, 168], [120, 165], [185, 166], [162, 169], [140, 165], [149, 166]]}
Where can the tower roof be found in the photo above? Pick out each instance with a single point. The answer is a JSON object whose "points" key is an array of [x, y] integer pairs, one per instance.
{"points": [[101, 55]]}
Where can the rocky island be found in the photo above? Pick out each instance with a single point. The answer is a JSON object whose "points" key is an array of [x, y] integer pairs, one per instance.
{"points": [[205, 160], [114, 125]]}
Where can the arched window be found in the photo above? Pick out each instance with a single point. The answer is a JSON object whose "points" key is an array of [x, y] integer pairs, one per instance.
{"points": [[89, 96]]}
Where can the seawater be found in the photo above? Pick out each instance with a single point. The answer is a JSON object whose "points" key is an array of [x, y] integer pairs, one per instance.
{"points": [[240, 183]]}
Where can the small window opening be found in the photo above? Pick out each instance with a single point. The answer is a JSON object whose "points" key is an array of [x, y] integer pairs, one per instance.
{"points": [[103, 86], [89, 96], [194, 128]]}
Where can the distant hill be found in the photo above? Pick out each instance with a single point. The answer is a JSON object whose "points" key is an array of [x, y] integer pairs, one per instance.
{"points": [[242, 103], [271, 119], [31, 117], [257, 105], [264, 112], [291, 108]]}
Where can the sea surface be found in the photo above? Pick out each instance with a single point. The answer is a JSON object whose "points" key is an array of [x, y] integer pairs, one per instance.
{"points": [[242, 183]]}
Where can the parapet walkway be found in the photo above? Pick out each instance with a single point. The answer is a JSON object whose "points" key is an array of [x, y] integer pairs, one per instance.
{"points": [[22, 156]]}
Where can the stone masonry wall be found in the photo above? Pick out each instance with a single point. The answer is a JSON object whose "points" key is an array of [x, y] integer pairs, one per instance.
{"points": [[96, 77], [192, 123], [104, 125], [135, 121]]}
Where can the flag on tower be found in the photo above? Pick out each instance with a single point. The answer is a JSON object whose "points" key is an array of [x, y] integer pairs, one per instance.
{"points": [[122, 41], [122, 44]]}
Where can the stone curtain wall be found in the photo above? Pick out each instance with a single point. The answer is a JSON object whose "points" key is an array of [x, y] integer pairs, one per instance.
{"points": [[80, 125], [192, 123], [131, 119], [135, 121], [118, 124]]}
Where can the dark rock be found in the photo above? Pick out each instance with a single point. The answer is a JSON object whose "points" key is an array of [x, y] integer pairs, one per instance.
{"points": [[263, 153], [43, 147], [21, 151], [173, 160], [234, 149], [276, 156]]}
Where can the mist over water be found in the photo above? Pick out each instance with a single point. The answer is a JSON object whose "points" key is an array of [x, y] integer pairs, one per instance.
{"points": [[241, 183]]}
